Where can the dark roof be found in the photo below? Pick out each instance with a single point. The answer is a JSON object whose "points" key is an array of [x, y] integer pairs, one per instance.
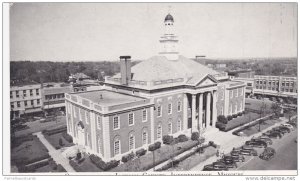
{"points": [[169, 17]]}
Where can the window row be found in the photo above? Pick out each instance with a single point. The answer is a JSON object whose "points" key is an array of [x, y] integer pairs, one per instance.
{"points": [[29, 103], [169, 128], [131, 142], [54, 96], [116, 119], [24, 93], [169, 108], [236, 92]]}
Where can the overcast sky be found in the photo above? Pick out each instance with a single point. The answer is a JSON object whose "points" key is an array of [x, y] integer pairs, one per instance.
{"points": [[104, 31]]}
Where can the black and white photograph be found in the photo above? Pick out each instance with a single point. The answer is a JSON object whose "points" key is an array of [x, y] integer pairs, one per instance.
{"points": [[174, 88]]}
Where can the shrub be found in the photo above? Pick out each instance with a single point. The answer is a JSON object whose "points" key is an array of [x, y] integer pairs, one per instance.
{"points": [[221, 126], [140, 152], [60, 142], [101, 164], [128, 157], [234, 115], [240, 114], [222, 119], [67, 137], [229, 118], [55, 131], [182, 138], [157, 144], [201, 140], [167, 139], [211, 143], [78, 156], [195, 136]]}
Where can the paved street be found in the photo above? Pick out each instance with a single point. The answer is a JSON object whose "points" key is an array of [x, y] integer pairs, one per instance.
{"points": [[227, 141], [55, 154], [285, 158]]}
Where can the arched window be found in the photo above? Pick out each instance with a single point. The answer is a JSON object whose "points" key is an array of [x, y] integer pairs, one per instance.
{"points": [[179, 125], [170, 127], [159, 131], [99, 145], [131, 142], [144, 137], [117, 146]]}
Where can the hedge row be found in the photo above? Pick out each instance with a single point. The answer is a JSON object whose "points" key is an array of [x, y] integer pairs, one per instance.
{"points": [[67, 137], [248, 126], [128, 157], [19, 140], [55, 131], [140, 152], [183, 149], [177, 161], [103, 165]]}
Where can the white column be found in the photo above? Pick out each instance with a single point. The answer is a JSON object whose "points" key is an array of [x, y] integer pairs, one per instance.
{"points": [[200, 110], [194, 121], [93, 122], [208, 97], [185, 113], [214, 112], [152, 124], [106, 138]]}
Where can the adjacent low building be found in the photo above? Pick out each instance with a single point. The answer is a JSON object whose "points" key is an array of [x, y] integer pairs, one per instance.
{"points": [[25, 99]]}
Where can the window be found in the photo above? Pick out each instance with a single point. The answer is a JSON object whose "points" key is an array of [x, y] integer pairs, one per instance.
{"points": [[18, 104], [12, 105], [179, 125], [144, 115], [116, 122], [231, 94], [87, 117], [31, 92], [99, 145], [179, 106], [80, 115], [145, 137], [170, 108], [117, 146], [17, 93], [11, 94], [159, 131], [37, 92], [159, 110], [130, 119], [98, 122], [32, 103], [74, 112], [169, 128], [131, 142], [38, 101], [24, 93], [25, 103]]}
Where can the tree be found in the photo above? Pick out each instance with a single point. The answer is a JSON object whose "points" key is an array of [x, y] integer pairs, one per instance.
{"points": [[276, 109]]}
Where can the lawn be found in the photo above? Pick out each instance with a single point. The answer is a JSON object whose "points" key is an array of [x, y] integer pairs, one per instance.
{"points": [[255, 129], [146, 162], [241, 120], [87, 165], [255, 104], [29, 151], [46, 168], [54, 140], [36, 126], [194, 160]]}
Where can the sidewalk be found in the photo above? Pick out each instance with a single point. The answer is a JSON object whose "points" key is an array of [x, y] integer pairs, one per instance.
{"points": [[227, 141], [55, 154]]}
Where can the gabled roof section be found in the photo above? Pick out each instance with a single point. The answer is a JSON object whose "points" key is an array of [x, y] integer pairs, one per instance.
{"points": [[206, 81]]}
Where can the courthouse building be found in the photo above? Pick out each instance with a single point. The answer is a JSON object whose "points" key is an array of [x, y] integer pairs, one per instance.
{"points": [[167, 94]]}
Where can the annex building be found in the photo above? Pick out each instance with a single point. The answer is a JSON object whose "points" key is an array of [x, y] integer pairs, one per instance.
{"points": [[167, 94]]}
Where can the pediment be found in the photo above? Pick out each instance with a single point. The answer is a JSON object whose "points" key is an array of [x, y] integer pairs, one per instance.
{"points": [[208, 80]]}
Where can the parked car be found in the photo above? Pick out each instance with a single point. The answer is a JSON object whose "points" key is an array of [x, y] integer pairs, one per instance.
{"points": [[291, 127], [282, 130], [229, 161], [238, 158], [265, 139], [256, 143], [288, 130], [248, 150], [273, 134], [267, 154], [215, 166], [293, 123]]}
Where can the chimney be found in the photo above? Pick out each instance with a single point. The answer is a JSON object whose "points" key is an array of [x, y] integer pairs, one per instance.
{"points": [[125, 69]]}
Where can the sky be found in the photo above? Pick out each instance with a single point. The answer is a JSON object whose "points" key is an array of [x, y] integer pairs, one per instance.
{"points": [[105, 31]]}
